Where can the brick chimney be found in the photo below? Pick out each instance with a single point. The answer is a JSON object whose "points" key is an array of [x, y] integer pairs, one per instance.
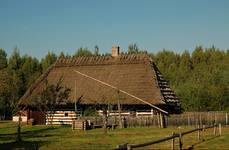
{"points": [[115, 51]]}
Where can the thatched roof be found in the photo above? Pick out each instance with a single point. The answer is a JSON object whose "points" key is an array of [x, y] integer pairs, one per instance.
{"points": [[135, 74]]}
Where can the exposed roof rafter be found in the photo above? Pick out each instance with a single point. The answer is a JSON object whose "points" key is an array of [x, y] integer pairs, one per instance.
{"points": [[122, 91]]}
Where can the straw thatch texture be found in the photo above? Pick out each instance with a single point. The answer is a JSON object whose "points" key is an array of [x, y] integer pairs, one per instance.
{"points": [[134, 74]]}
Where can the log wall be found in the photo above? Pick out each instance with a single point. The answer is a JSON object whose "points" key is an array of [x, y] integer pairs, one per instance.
{"points": [[60, 117]]}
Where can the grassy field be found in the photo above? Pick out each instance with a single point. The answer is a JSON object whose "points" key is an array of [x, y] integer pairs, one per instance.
{"points": [[62, 137]]}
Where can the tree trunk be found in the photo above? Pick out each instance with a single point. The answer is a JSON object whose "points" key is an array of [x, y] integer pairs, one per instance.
{"points": [[105, 122], [18, 138]]}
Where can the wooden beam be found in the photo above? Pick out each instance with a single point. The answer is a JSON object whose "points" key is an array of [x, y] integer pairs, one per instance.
{"points": [[131, 95]]}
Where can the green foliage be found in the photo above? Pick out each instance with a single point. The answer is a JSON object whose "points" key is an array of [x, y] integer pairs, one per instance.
{"points": [[62, 55], [49, 59], [83, 52], [52, 96], [15, 60], [8, 93], [17, 78], [133, 49], [198, 56], [201, 79], [3, 59], [90, 111], [31, 69]]}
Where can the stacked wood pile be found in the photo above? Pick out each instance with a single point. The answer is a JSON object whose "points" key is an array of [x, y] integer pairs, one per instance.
{"points": [[79, 124]]}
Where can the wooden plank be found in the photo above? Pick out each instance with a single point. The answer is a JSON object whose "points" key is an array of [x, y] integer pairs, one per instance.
{"points": [[131, 95]]}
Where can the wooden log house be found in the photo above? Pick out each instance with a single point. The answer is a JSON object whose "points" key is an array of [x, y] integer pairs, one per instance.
{"points": [[137, 75]]}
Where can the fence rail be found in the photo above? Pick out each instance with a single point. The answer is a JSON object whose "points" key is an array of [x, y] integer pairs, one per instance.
{"points": [[172, 137]]}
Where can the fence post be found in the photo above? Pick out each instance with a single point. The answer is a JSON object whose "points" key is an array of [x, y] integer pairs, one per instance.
{"points": [[216, 120], [203, 131], [198, 133], [173, 140], [129, 147], [220, 131], [214, 130], [200, 121], [180, 141], [158, 119], [188, 120], [73, 124], [226, 118]]}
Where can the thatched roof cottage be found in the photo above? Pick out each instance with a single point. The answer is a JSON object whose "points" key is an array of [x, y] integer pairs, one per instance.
{"points": [[136, 75]]}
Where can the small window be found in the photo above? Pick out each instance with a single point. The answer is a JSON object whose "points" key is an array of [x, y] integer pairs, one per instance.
{"points": [[66, 114]]}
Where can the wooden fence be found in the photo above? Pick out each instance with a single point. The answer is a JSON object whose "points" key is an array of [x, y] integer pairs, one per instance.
{"points": [[194, 118], [172, 138], [185, 119]]}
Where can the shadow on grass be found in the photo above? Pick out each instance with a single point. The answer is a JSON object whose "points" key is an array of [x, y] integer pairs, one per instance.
{"points": [[40, 133], [10, 127], [5, 121], [28, 133], [25, 145], [200, 142]]}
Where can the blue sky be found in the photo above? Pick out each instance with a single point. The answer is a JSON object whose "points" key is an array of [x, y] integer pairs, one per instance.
{"points": [[37, 27]]}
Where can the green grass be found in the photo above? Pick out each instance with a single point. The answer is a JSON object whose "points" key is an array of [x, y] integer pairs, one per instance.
{"points": [[62, 137]]}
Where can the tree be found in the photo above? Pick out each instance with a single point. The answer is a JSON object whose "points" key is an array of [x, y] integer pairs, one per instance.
{"points": [[185, 67], [200, 80], [52, 96], [133, 49], [8, 99], [4, 93], [185, 61], [14, 69], [31, 69], [167, 62], [3, 59], [62, 55], [83, 52], [15, 60], [8, 94], [96, 50], [49, 59], [198, 55]]}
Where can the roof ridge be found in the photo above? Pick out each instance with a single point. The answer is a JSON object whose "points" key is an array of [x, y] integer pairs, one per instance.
{"points": [[103, 60]]}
